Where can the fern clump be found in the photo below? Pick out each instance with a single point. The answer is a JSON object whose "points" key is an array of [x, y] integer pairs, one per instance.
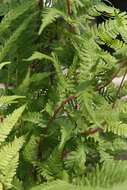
{"points": [[60, 62]]}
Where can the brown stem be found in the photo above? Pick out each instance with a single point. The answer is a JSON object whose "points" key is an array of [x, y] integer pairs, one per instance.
{"points": [[92, 131], [60, 108], [121, 84], [69, 10], [51, 120]]}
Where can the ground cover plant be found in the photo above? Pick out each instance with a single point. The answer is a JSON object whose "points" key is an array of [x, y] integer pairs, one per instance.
{"points": [[62, 121]]}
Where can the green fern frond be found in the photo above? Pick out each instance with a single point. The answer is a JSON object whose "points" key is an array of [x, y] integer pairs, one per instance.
{"points": [[34, 117], [3, 64], [30, 151], [112, 173], [15, 14], [9, 156], [52, 168], [39, 56], [5, 100], [12, 40], [101, 8], [76, 160], [118, 128], [9, 123], [49, 16]]}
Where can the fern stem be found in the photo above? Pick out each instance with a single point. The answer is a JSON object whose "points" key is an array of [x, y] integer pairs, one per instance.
{"points": [[61, 107], [51, 120], [94, 130], [69, 10]]}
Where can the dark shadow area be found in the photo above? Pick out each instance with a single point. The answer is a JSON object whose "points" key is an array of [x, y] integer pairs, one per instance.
{"points": [[120, 4]]}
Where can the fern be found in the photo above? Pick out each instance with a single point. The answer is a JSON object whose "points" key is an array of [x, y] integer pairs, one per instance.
{"points": [[62, 65]]}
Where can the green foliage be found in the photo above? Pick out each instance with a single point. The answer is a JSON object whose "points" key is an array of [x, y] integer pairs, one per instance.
{"points": [[60, 63], [66, 186]]}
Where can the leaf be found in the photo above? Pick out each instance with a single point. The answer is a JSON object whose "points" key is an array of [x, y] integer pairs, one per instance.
{"points": [[40, 56], [3, 64]]}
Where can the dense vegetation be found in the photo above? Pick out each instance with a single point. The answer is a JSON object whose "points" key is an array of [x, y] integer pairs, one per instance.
{"points": [[63, 123]]}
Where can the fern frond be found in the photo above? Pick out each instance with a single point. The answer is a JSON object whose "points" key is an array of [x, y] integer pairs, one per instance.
{"points": [[101, 8], [117, 128], [52, 168], [15, 14], [39, 56], [9, 155], [112, 172], [3, 64], [30, 151], [49, 16], [5, 100], [76, 160], [12, 40], [9, 123]]}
